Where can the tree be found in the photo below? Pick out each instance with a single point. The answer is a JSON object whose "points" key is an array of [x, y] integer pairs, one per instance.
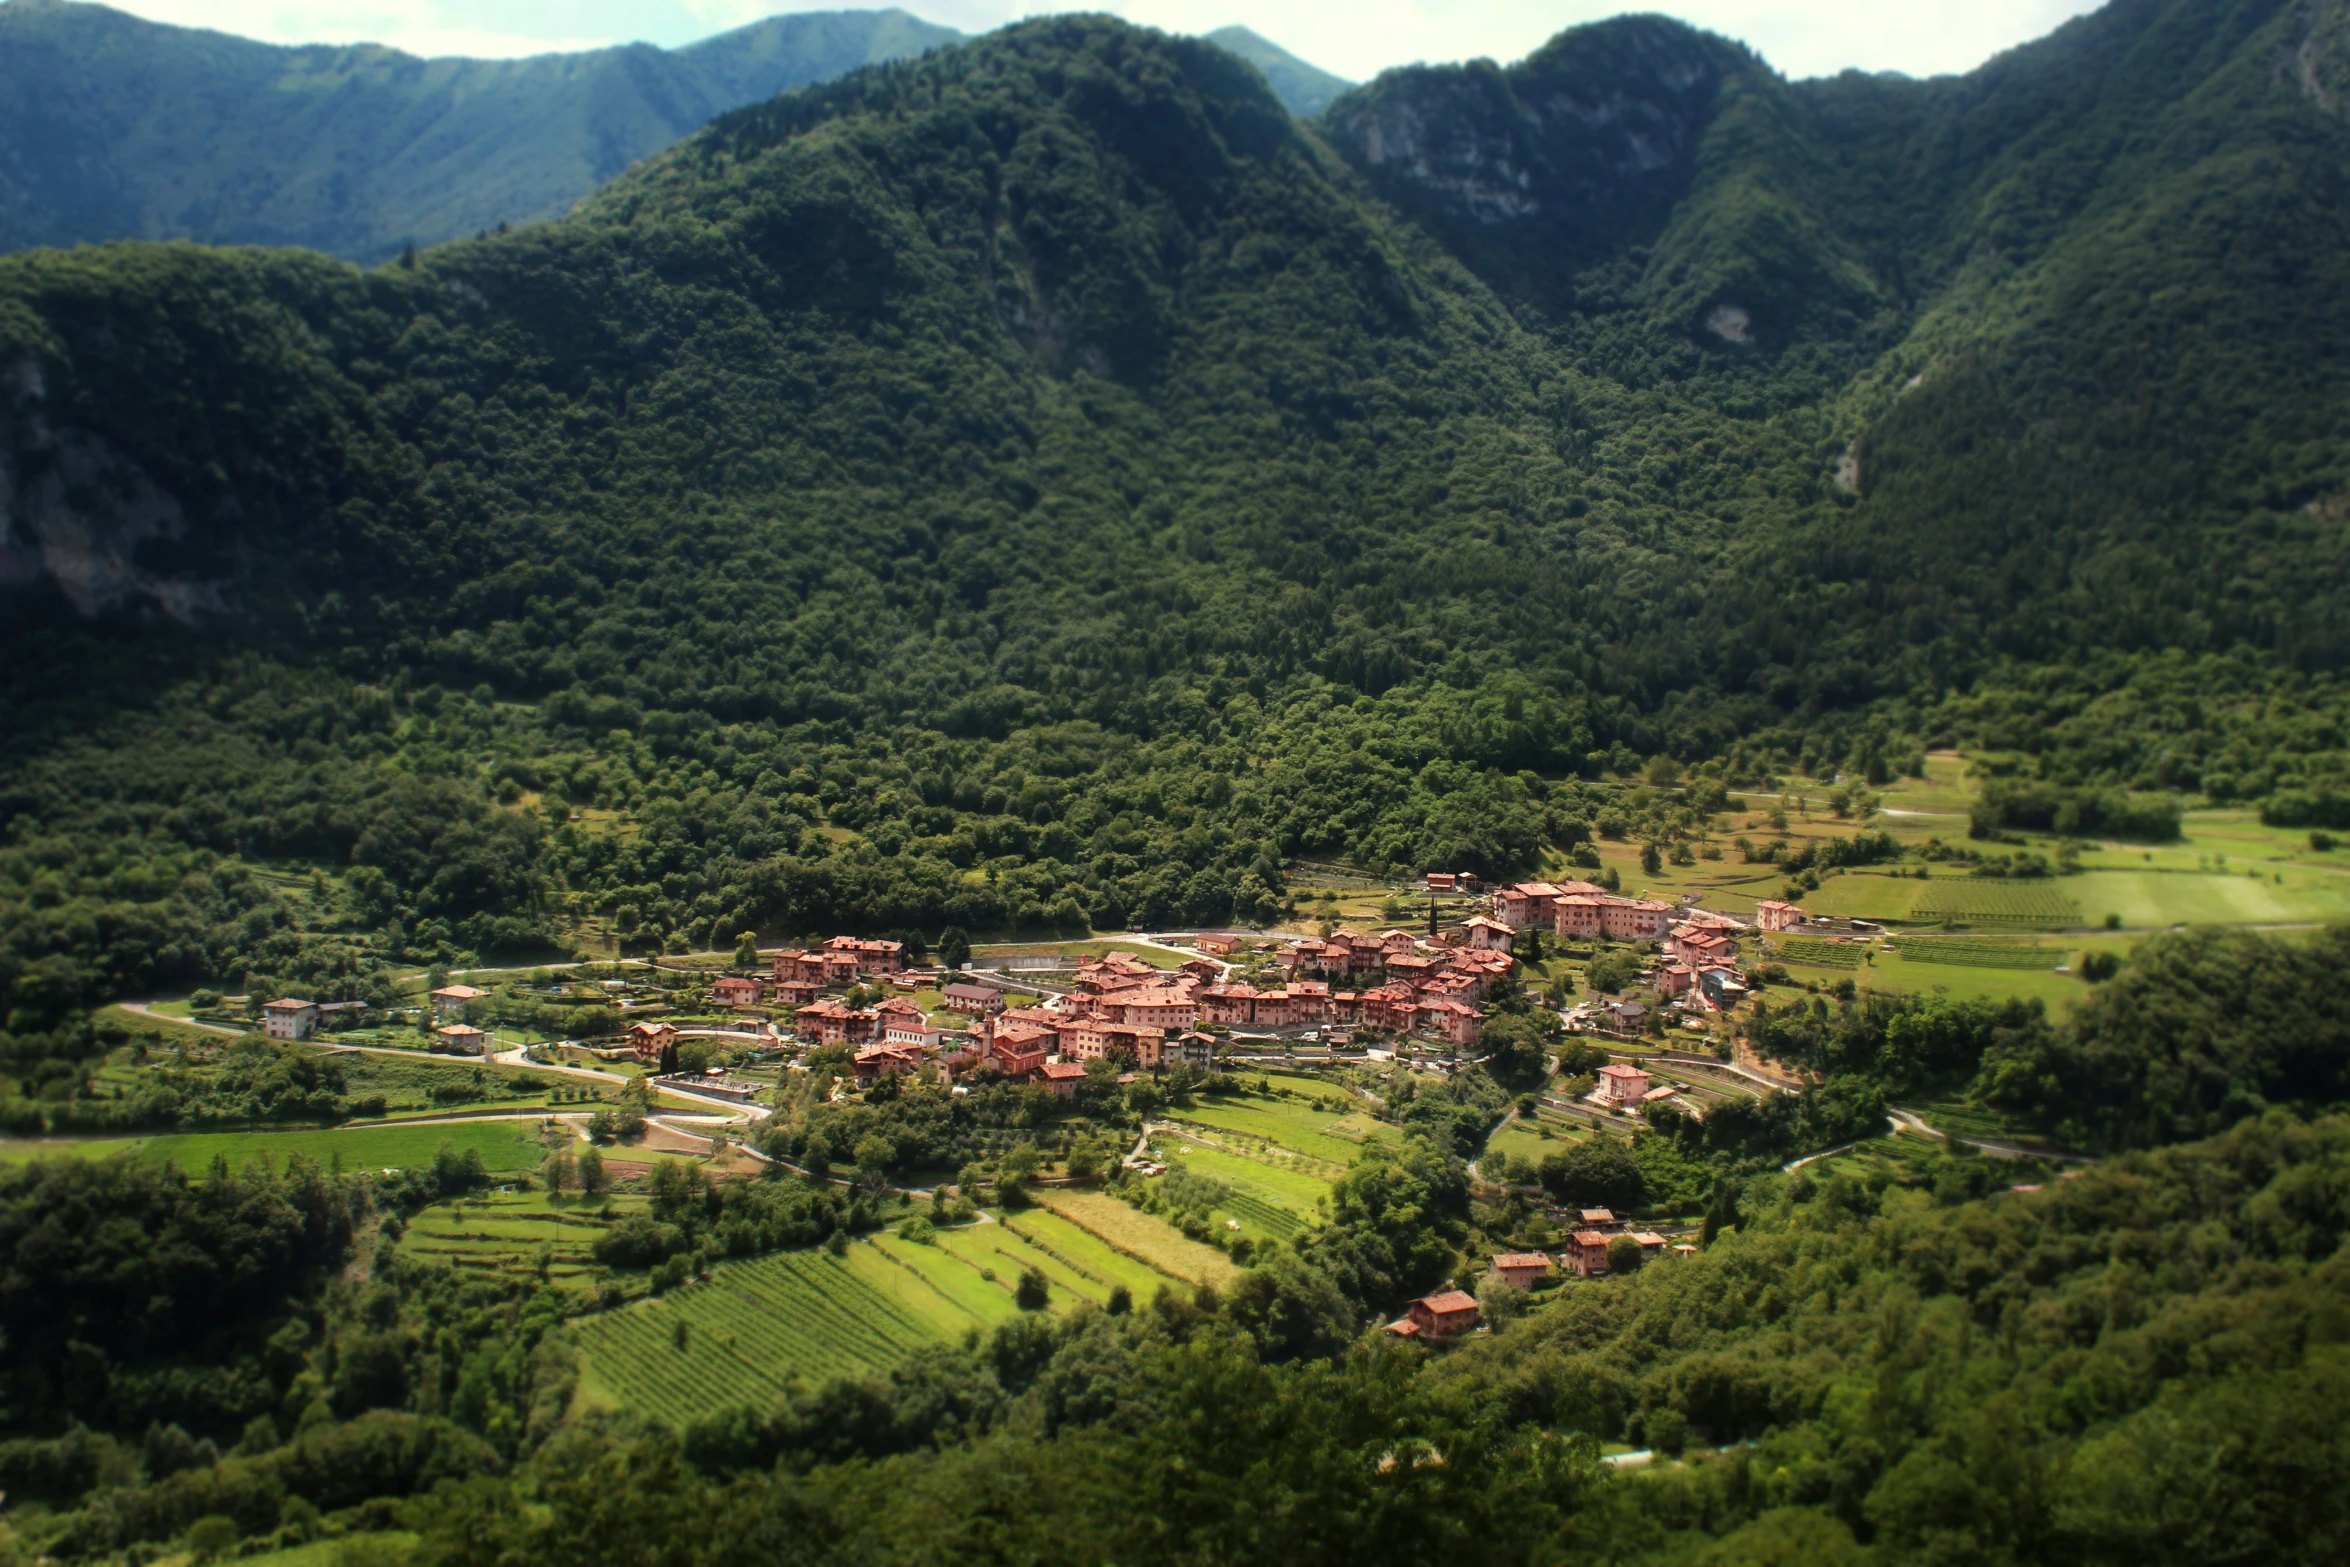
{"points": [[211, 1537], [693, 1057], [592, 1179], [1625, 1255], [746, 950], [1034, 1292], [1085, 1162], [561, 1170], [954, 947], [875, 1154], [1651, 862]]}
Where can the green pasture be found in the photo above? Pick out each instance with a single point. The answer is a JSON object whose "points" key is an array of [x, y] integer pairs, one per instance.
{"points": [[505, 1146], [1076, 1259], [1307, 1129], [1292, 1190], [1521, 1140], [1141, 1237]]}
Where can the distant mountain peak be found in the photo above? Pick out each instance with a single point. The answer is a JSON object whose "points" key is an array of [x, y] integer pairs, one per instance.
{"points": [[1305, 89]]}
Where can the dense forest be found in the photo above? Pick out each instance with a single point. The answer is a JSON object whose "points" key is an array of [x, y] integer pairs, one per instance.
{"points": [[1046, 484]]}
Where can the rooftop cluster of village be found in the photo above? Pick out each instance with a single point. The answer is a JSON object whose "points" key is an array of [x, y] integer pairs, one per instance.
{"points": [[1393, 985]]}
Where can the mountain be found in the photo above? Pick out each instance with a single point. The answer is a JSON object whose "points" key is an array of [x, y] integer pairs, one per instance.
{"points": [[1306, 89], [116, 128], [1047, 483]]}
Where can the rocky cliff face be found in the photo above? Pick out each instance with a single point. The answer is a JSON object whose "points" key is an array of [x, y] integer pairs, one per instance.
{"points": [[1532, 171], [77, 512]]}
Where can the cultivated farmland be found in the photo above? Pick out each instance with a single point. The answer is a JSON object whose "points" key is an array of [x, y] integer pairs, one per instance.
{"points": [[1989, 900], [1276, 1199], [1137, 1235], [1306, 1129], [1814, 953], [746, 1333], [1962, 953], [505, 1146], [510, 1234]]}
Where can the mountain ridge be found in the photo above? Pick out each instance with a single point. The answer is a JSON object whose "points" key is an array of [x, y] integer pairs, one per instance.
{"points": [[115, 128], [1050, 457]]}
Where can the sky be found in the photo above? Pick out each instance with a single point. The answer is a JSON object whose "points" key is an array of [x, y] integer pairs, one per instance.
{"points": [[1355, 38]]}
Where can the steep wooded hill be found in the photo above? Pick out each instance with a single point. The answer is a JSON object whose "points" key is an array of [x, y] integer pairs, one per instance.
{"points": [[1062, 478]]}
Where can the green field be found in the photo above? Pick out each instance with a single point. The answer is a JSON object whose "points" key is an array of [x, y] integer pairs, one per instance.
{"points": [[505, 1146], [1814, 953], [509, 1233], [1960, 952], [754, 1327], [1992, 900], [1307, 1129], [1075, 1249], [1272, 1201], [2155, 897], [1523, 1141], [1139, 1236]]}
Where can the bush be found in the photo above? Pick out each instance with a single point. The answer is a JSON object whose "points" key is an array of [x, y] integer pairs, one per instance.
{"points": [[1034, 1292]]}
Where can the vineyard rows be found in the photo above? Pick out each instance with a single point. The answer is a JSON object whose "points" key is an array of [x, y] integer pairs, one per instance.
{"points": [[1974, 954], [1990, 901], [1818, 954], [748, 1330]]}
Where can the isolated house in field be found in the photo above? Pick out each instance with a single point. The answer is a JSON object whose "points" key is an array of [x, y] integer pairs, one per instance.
{"points": [[1621, 1085], [1586, 1253], [289, 1018], [461, 1039], [647, 1041], [732, 992], [1772, 915], [450, 1000], [1219, 946], [1525, 1269]]}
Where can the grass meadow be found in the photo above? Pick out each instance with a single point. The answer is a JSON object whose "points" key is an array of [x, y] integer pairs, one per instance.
{"points": [[1137, 1235], [505, 1146]]}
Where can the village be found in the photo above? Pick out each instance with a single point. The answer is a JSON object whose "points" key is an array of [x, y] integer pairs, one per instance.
{"points": [[1217, 1001]]}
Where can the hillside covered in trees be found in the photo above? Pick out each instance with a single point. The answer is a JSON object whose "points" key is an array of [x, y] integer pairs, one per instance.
{"points": [[1045, 483]]}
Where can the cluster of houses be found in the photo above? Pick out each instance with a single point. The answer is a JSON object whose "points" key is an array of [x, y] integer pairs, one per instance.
{"points": [[1443, 1317]]}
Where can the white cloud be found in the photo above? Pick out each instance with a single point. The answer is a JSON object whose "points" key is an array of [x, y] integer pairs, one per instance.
{"points": [[1356, 38]]}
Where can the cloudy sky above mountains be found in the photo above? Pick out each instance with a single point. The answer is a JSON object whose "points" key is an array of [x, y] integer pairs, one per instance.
{"points": [[1355, 38]]}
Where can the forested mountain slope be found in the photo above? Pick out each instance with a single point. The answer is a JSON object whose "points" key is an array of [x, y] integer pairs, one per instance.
{"points": [[116, 128], [1045, 482]]}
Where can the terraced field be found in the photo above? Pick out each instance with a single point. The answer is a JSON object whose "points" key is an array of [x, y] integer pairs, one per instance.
{"points": [[1151, 1242], [509, 1233], [1093, 1266], [742, 1336]]}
